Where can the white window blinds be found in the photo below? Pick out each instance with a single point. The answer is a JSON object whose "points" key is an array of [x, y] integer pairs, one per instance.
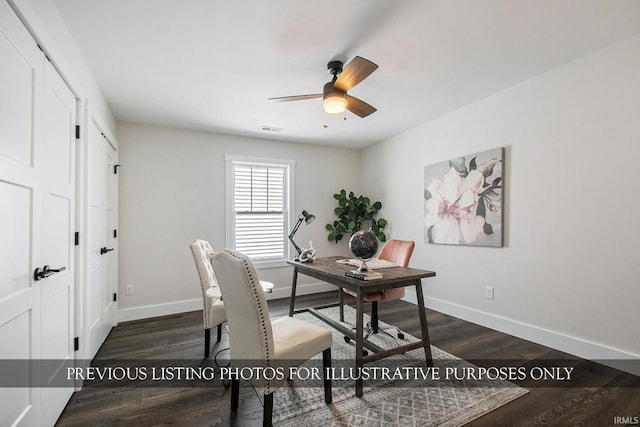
{"points": [[259, 209]]}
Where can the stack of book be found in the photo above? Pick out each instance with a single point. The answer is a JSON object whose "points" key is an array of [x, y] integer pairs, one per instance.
{"points": [[366, 275], [372, 264]]}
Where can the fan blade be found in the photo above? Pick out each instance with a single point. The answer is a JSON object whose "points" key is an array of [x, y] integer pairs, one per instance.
{"points": [[359, 107], [295, 98], [356, 71]]}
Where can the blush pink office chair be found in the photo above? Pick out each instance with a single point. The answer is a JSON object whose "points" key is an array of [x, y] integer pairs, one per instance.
{"points": [[398, 252]]}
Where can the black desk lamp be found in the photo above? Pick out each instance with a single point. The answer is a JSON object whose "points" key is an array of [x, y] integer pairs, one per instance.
{"points": [[303, 255]]}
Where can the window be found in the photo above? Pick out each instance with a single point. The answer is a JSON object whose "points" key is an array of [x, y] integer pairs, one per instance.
{"points": [[258, 200]]}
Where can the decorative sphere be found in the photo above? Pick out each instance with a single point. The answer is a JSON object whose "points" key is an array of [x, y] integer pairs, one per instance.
{"points": [[364, 244]]}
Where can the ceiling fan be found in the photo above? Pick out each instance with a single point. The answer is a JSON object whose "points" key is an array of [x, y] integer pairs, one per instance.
{"points": [[335, 99]]}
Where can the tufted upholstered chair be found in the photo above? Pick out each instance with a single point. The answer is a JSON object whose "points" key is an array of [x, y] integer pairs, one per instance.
{"points": [[398, 252], [255, 339], [213, 313]]}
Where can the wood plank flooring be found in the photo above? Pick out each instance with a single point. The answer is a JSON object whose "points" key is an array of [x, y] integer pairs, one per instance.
{"points": [[608, 393]]}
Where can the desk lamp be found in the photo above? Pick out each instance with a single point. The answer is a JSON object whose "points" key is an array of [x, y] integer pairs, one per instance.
{"points": [[303, 255]]}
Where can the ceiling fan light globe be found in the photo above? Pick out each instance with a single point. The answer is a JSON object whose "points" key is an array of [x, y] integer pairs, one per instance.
{"points": [[334, 102]]}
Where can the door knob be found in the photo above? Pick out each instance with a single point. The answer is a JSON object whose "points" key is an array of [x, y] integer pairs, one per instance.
{"points": [[104, 250], [46, 272]]}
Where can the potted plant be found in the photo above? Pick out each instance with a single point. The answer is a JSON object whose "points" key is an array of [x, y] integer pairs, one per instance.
{"points": [[352, 213]]}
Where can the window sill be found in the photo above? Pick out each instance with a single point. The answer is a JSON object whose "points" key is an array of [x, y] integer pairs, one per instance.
{"points": [[260, 265]]}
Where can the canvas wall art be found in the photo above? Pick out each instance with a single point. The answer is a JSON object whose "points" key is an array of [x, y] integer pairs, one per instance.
{"points": [[463, 200]]}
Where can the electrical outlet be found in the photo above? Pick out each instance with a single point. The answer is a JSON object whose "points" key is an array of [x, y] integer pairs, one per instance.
{"points": [[488, 292], [129, 290]]}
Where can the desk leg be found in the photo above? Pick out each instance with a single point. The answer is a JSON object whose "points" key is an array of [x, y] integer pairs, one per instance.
{"points": [[294, 283], [423, 324], [359, 341]]}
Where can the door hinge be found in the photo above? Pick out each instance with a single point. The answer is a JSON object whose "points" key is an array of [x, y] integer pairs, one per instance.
{"points": [[115, 169], [115, 297], [115, 234], [76, 238], [76, 344], [77, 131]]}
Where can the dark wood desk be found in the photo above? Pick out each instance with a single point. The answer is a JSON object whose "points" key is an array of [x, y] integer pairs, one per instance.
{"points": [[328, 270]]}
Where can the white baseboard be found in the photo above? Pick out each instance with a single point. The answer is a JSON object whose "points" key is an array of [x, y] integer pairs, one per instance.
{"points": [[155, 310], [147, 311], [578, 347]]}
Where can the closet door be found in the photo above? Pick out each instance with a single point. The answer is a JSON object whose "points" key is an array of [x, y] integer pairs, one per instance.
{"points": [[20, 213], [58, 226], [101, 245], [110, 258]]}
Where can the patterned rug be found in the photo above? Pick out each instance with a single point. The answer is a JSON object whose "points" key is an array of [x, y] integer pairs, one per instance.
{"points": [[394, 403]]}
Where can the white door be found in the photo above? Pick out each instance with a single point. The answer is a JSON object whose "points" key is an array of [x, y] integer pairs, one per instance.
{"points": [[101, 271], [20, 211], [58, 226], [110, 257]]}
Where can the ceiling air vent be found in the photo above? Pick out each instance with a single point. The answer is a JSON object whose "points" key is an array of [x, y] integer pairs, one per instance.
{"points": [[271, 129]]}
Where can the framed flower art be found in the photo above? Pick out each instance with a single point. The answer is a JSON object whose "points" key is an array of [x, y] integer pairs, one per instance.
{"points": [[463, 200]]}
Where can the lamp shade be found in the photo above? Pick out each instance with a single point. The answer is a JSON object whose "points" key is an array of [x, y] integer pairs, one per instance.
{"points": [[308, 218], [334, 101]]}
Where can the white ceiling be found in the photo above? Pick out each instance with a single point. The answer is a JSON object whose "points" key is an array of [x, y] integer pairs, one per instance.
{"points": [[211, 65]]}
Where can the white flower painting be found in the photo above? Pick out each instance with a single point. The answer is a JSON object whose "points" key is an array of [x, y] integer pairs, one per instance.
{"points": [[463, 200]]}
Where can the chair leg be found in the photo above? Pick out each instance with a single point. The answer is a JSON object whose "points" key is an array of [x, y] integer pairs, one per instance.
{"points": [[207, 342], [268, 410], [326, 367], [341, 293], [219, 332], [373, 327], [235, 392]]}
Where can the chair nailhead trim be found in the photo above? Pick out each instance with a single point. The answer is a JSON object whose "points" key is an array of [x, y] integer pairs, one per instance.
{"points": [[205, 311], [261, 312]]}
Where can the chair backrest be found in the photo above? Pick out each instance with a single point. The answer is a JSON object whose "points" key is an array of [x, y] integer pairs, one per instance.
{"points": [[250, 333], [397, 251], [202, 251]]}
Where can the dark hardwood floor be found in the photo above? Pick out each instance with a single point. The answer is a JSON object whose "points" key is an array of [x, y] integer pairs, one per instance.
{"points": [[607, 393]]}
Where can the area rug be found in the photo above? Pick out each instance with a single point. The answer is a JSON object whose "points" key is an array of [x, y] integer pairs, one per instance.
{"points": [[392, 403]]}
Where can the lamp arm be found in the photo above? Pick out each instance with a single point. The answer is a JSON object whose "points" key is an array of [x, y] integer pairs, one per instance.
{"points": [[293, 232]]}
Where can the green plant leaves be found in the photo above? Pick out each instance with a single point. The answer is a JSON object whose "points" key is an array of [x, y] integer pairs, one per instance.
{"points": [[354, 212]]}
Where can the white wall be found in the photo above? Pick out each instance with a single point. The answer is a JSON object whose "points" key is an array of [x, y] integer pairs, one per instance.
{"points": [[569, 273], [172, 191]]}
